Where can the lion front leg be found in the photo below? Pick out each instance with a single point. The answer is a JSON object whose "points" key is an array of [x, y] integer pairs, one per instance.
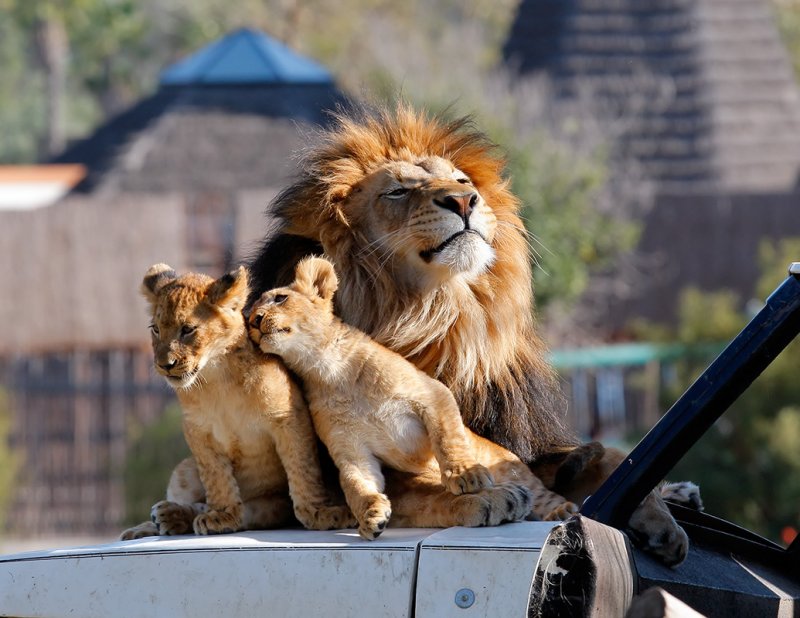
{"points": [[419, 501], [651, 526]]}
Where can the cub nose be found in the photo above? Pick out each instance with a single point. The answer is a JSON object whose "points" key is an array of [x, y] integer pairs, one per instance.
{"points": [[168, 365], [462, 204]]}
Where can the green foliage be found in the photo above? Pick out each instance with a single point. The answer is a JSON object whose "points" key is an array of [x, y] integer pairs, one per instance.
{"points": [[748, 463], [22, 110], [708, 317], [10, 460], [155, 450], [569, 236], [787, 14]]}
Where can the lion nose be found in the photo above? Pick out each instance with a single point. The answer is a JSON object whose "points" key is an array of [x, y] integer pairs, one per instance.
{"points": [[462, 204], [255, 320]]}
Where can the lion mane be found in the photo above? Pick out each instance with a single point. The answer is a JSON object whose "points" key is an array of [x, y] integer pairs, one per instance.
{"points": [[477, 336]]}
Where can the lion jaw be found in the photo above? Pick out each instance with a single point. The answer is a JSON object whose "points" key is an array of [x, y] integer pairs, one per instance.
{"points": [[464, 253]]}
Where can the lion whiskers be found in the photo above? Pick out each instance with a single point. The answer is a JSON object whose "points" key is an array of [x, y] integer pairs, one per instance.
{"points": [[529, 238]]}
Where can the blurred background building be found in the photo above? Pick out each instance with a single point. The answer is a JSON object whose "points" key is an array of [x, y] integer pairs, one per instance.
{"points": [[655, 145]]}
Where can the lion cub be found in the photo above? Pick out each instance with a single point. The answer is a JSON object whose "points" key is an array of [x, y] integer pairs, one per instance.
{"points": [[370, 407], [245, 420]]}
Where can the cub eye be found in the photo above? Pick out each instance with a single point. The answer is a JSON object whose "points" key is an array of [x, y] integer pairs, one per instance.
{"points": [[154, 329], [187, 330], [395, 193], [279, 299]]}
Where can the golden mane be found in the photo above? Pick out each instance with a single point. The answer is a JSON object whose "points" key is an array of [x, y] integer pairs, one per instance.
{"points": [[477, 337]]}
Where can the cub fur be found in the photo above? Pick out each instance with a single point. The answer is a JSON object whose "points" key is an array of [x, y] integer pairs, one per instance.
{"points": [[370, 406], [254, 462]]}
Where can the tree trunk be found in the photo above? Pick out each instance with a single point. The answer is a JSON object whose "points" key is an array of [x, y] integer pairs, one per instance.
{"points": [[52, 46]]}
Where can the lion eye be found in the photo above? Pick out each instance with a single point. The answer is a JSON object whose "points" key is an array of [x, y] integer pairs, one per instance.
{"points": [[279, 299], [187, 330], [395, 193], [154, 329], [463, 181]]}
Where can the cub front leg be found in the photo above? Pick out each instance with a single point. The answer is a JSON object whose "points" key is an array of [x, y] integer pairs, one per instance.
{"points": [[296, 444], [461, 472], [225, 509], [175, 515], [362, 482]]}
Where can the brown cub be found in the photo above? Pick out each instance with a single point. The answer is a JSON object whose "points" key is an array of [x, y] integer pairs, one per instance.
{"points": [[254, 460], [371, 407]]}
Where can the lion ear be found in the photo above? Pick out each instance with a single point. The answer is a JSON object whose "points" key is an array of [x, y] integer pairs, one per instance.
{"points": [[230, 291], [316, 277], [156, 277]]}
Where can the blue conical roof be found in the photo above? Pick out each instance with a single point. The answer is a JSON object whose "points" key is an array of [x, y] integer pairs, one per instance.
{"points": [[245, 57]]}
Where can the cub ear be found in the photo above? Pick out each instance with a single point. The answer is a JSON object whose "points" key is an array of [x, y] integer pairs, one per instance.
{"points": [[156, 277], [230, 291], [316, 277]]}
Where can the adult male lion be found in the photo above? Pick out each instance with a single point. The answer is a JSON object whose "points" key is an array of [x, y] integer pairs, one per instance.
{"points": [[433, 262]]}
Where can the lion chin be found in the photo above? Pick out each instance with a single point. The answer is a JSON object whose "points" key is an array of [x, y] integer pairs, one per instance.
{"points": [[465, 253]]}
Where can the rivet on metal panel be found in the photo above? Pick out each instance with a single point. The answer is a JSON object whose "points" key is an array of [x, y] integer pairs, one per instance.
{"points": [[465, 598]]}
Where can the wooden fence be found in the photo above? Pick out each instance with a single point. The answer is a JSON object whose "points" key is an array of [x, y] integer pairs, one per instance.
{"points": [[72, 413]]}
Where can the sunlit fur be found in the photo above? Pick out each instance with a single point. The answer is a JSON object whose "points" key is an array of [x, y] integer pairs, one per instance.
{"points": [[465, 318], [244, 418]]}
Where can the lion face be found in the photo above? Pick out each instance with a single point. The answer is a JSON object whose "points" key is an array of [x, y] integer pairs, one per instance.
{"points": [[425, 217], [195, 319], [292, 321]]}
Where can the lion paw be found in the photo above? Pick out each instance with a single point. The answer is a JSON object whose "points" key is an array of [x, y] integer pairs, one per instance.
{"points": [[374, 518], [493, 506], [684, 493], [216, 522], [563, 511], [333, 517], [653, 529], [145, 529], [466, 479]]}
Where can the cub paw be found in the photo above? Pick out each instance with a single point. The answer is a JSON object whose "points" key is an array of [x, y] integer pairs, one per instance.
{"points": [[172, 518], [684, 493], [216, 522], [563, 511], [493, 506], [466, 479], [332, 517], [374, 518], [145, 529]]}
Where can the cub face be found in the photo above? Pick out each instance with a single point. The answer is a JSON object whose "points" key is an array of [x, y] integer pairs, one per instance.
{"points": [[292, 318], [194, 319]]}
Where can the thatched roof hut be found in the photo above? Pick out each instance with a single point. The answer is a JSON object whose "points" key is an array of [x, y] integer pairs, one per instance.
{"points": [[703, 90], [703, 101], [183, 177]]}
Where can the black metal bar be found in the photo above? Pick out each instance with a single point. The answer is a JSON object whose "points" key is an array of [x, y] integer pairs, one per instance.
{"points": [[741, 362]]}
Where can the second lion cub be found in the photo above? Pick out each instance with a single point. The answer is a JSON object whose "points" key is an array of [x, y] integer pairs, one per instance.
{"points": [[371, 406]]}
